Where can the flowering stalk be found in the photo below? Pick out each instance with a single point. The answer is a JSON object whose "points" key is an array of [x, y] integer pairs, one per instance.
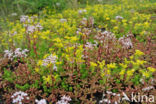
{"points": [[99, 52], [34, 46], [28, 39], [84, 49]]}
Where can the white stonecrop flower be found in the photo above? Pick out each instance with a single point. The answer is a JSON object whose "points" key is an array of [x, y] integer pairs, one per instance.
{"points": [[50, 60], [55, 67], [30, 29], [126, 42], [39, 26], [89, 45], [14, 14], [87, 31], [84, 21], [18, 97], [118, 18], [91, 21], [33, 18], [108, 92], [78, 31], [8, 54], [104, 36], [15, 32], [82, 11], [63, 20], [18, 53], [23, 18], [58, 4], [42, 101], [29, 20], [142, 81], [64, 100], [95, 43]]}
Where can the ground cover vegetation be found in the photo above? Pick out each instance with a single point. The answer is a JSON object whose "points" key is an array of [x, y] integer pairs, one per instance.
{"points": [[91, 54]]}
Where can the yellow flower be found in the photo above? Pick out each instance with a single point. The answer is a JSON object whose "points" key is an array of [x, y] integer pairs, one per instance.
{"points": [[46, 32], [10, 40], [58, 63], [143, 32], [108, 72], [39, 63], [124, 21], [44, 37], [125, 24], [124, 66], [151, 69], [130, 22], [102, 74], [47, 79], [73, 39], [122, 72], [37, 69], [111, 66], [45, 56], [107, 18], [146, 24], [92, 64], [51, 49], [59, 45], [131, 57], [113, 21], [99, 26], [130, 72], [140, 62], [116, 28], [138, 53], [49, 65], [101, 64], [57, 40], [146, 74], [56, 76], [35, 36]]}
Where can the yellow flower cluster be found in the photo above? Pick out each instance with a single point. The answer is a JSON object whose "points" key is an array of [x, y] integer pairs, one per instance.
{"points": [[111, 66], [138, 53], [151, 69], [137, 66], [47, 79]]}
